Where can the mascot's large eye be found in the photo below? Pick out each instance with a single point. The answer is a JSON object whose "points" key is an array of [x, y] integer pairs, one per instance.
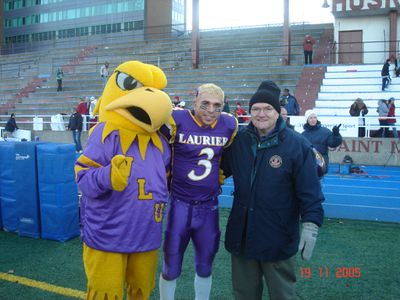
{"points": [[126, 82]]}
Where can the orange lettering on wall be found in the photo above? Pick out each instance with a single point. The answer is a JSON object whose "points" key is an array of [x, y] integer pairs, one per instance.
{"points": [[363, 145], [355, 145], [343, 147], [377, 145]]}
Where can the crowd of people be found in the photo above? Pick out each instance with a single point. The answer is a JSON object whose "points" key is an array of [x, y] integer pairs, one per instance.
{"points": [[387, 113], [289, 106], [288, 103], [386, 116]]}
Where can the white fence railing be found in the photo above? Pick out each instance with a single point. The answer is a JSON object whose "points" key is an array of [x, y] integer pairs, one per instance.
{"points": [[349, 126]]}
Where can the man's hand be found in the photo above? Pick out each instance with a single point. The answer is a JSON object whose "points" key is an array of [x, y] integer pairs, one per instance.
{"points": [[307, 239], [335, 129], [120, 170]]}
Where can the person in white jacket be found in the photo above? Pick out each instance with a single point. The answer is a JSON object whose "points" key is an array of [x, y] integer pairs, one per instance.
{"points": [[383, 110], [92, 117]]}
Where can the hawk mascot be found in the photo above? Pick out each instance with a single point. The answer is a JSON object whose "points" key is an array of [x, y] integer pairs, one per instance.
{"points": [[122, 175]]}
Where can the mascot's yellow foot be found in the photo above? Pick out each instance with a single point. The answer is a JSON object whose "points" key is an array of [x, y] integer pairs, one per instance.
{"points": [[101, 295]]}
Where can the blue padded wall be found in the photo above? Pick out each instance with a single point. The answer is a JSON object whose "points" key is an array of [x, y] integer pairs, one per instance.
{"points": [[58, 191], [8, 200], [26, 189]]}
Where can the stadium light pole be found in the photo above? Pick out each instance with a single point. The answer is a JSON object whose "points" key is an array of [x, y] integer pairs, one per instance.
{"points": [[286, 34], [195, 34]]}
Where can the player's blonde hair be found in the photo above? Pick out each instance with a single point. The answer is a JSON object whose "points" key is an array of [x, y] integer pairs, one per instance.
{"points": [[212, 89]]}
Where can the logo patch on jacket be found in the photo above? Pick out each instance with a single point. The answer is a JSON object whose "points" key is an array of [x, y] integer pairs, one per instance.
{"points": [[275, 161]]}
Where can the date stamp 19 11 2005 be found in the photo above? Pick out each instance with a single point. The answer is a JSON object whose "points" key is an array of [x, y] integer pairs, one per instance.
{"points": [[326, 272]]}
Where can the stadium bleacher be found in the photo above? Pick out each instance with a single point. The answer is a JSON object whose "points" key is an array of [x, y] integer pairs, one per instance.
{"points": [[343, 84], [236, 59]]}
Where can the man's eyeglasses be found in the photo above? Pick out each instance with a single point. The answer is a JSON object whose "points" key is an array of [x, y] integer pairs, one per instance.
{"points": [[258, 110]]}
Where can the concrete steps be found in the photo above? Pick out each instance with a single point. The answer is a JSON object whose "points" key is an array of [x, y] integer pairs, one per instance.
{"points": [[345, 83], [237, 60]]}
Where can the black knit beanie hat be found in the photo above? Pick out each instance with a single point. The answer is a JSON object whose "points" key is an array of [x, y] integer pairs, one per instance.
{"points": [[267, 92]]}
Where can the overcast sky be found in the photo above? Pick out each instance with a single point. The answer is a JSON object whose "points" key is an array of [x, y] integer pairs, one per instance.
{"points": [[234, 13]]}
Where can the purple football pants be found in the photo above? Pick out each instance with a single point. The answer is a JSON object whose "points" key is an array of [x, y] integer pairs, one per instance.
{"points": [[191, 220]]}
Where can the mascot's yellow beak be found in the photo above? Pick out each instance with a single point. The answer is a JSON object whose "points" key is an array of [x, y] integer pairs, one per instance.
{"points": [[133, 100], [145, 107]]}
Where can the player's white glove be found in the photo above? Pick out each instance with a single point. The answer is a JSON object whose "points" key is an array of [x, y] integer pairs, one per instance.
{"points": [[307, 239]]}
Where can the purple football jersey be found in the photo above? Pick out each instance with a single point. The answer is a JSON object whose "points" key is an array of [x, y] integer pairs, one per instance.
{"points": [[196, 154], [122, 221]]}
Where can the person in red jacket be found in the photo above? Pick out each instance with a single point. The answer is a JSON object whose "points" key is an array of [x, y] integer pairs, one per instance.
{"points": [[240, 112], [308, 44], [83, 109]]}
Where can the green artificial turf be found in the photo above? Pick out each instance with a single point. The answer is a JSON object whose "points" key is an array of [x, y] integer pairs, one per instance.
{"points": [[361, 257]]}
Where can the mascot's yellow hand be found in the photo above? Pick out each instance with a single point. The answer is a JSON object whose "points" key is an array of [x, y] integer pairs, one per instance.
{"points": [[221, 177], [120, 170]]}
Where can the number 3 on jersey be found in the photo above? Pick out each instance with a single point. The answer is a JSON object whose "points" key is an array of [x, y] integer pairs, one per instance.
{"points": [[205, 163]]}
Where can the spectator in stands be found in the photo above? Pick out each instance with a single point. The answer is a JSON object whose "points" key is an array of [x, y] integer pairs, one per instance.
{"points": [[290, 103], [11, 126], [198, 138], [240, 112], [392, 121], [321, 137], [176, 101], [226, 106], [59, 77], [83, 109], [385, 74], [276, 189], [75, 125], [308, 45], [359, 109], [383, 111], [396, 65], [182, 104], [92, 117], [104, 73], [395, 61], [285, 117]]}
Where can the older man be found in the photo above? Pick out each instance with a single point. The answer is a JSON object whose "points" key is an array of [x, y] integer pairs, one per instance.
{"points": [[276, 188]]}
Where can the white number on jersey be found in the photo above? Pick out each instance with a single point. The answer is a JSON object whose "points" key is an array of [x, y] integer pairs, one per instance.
{"points": [[205, 163]]}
